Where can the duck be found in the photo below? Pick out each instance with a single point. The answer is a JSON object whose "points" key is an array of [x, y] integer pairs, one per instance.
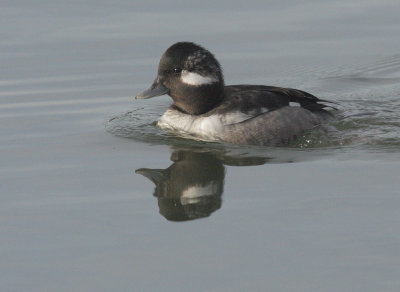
{"points": [[206, 109]]}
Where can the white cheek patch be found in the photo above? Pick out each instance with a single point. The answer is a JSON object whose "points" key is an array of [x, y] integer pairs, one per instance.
{"points": [[196, 79], [194, 193], [292, 103]]}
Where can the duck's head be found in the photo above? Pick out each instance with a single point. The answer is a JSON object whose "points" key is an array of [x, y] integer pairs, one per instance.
{"points": [[191, 75]]}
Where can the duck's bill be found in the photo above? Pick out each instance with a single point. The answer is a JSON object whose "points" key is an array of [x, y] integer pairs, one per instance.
{"points": [[155, 175], [156, 89]]}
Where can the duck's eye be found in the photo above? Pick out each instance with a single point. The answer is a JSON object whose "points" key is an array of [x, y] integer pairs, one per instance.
{"points": [[177, 70]]}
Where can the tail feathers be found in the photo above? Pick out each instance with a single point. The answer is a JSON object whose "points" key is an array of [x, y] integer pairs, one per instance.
{"points": [[309, 101]]}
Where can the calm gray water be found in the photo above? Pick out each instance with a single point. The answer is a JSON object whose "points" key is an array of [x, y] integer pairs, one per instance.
{"points": [[95, 198]]}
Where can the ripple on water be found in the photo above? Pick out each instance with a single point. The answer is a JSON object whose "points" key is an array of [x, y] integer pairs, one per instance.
{"points": [[350, 128], [370, 96]]}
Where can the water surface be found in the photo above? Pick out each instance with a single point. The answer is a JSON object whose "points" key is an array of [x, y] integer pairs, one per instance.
{"points": [[137, 209]]}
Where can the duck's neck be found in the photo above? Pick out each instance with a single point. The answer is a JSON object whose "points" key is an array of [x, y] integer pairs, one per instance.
{"points": [[198, 100]]}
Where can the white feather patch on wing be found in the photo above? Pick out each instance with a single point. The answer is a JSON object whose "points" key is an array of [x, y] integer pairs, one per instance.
{"points": [[238, 116], [195, 79], [235, 117]]}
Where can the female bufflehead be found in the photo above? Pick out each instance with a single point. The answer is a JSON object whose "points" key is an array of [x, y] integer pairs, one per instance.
{"points": [[206, 109]]}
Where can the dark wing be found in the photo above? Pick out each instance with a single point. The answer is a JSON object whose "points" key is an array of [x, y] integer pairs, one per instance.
{"points": [[272, 98]]}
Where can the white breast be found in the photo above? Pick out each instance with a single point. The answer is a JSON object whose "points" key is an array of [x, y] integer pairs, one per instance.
{"points": [[207, 128]]}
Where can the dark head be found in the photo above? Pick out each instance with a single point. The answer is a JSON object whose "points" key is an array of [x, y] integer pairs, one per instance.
{"points": [[191, 76]]}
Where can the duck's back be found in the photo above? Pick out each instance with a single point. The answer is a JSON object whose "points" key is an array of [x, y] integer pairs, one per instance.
{"points": [[250, 97]]}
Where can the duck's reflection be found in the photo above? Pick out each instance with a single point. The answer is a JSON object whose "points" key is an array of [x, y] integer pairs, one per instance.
{"points": [[192, 186]]}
